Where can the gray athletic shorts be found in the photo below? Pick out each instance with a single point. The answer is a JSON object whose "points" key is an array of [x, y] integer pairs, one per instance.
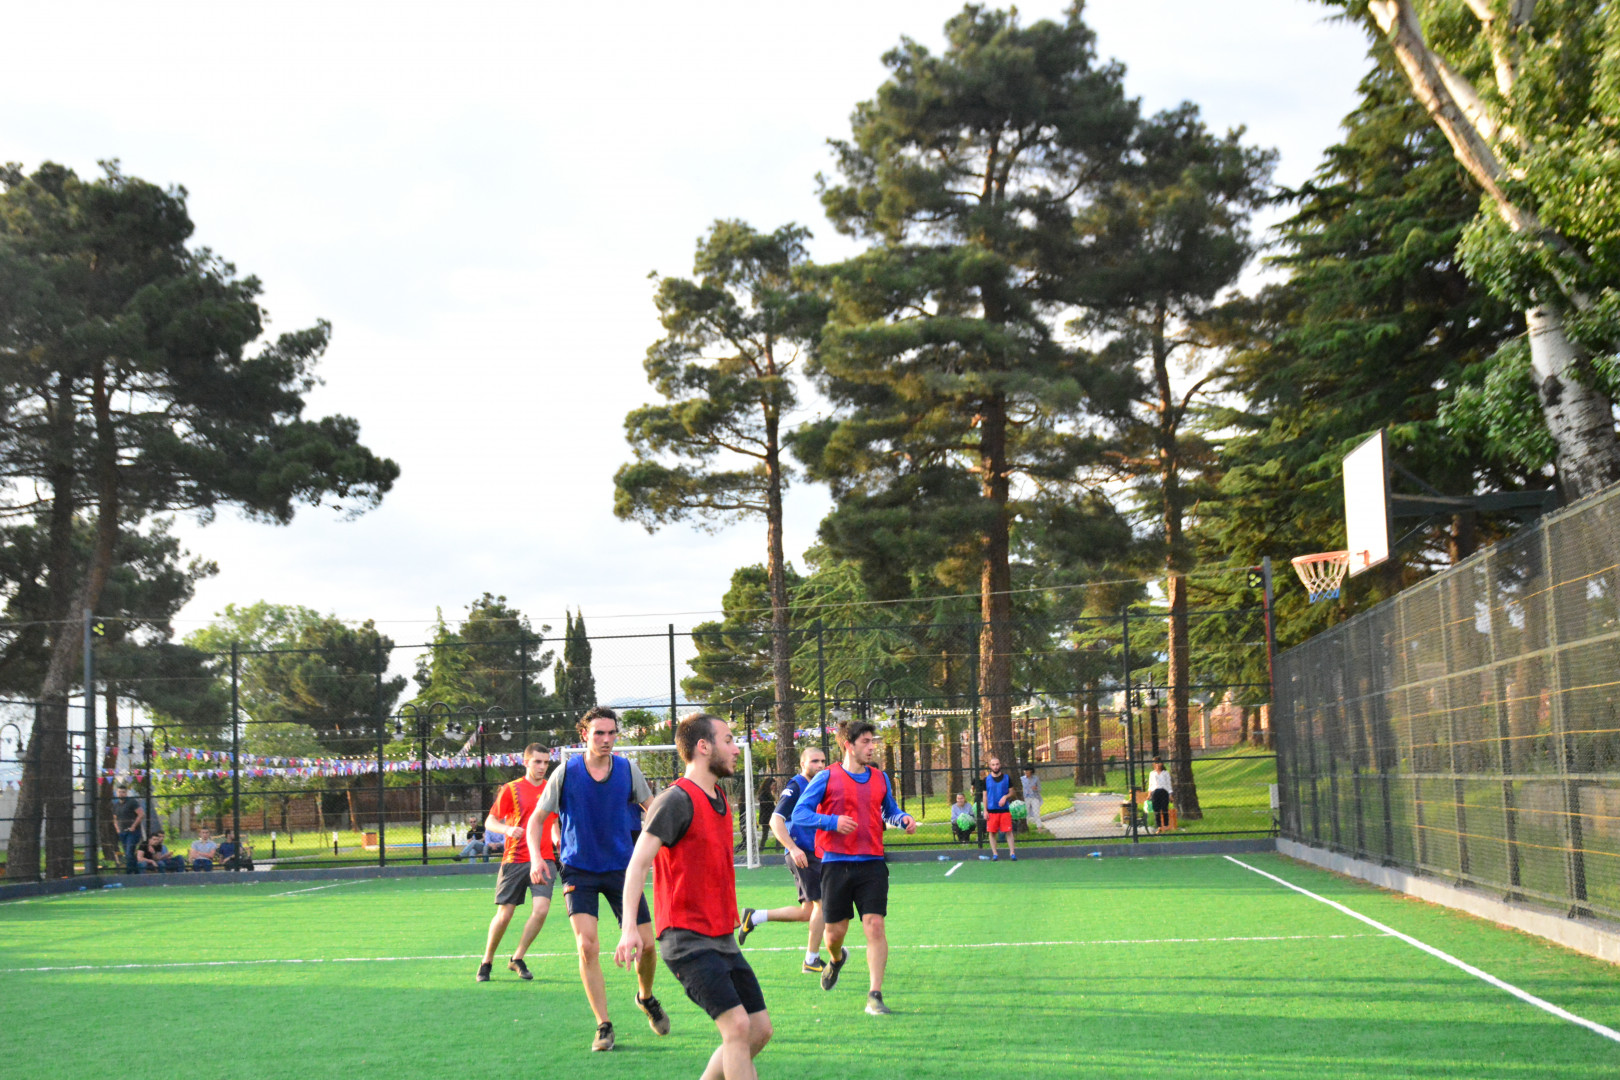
{"points": [[514, 883]]}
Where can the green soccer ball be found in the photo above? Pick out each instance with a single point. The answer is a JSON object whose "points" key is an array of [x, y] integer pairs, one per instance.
{"points": [[1018, 810]]}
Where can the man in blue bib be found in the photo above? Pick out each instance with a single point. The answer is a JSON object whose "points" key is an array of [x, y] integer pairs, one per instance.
{"points": [[598, 798]]}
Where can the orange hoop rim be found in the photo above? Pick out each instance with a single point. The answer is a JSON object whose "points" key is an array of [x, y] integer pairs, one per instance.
{"points": [[1322, 573]]}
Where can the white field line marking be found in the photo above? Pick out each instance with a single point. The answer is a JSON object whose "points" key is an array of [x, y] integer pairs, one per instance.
{"points": [[953, 869], [1525, 996], [570, 955], [318, 888]]}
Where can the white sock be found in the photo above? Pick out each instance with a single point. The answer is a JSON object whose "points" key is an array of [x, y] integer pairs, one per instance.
{"points": [[761, 918], [812, 955]]}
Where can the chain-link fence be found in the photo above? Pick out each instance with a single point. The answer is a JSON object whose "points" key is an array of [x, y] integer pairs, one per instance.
{"points": [[307, 757], [1467, 727]]}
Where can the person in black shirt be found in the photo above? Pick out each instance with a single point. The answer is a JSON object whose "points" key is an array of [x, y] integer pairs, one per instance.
{"points": [[129, 814]]}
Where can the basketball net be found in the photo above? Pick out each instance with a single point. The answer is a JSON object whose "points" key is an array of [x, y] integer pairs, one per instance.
{"points": [[1322, 574]]}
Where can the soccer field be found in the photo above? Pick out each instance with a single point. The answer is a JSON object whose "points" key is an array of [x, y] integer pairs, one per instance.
{"points": [[1115, 967]]}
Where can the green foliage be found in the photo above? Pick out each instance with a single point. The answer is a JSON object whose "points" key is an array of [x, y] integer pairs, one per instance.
{"points": [[492, 660], [102, 301], [963, 174], [724, 367], [1376, 326], [576, 686]]}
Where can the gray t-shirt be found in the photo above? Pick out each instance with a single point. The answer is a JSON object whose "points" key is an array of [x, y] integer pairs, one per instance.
{"points": [[669, 818], [1032, 786]]}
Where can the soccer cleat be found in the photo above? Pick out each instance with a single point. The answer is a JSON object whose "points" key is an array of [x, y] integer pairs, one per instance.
{"points": [[657, 1018], [1013, 856], [483, 972], [520, 967], [875, 1006], [604, 1036], [747, 926], [995, 858], [829, 975], [815, 967]]}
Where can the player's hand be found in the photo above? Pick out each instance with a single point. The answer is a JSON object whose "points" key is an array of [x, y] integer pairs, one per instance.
{"points": [[846, 824], [800, 859], [629, 946], [911, 824], [541, 872]]}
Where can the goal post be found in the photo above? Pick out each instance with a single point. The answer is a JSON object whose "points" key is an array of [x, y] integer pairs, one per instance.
{"points": [[748, 799]]}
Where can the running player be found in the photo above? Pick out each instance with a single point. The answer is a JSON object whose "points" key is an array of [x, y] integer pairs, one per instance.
{"points": [[848, 804], [998, 808], [687, 840], [597, 796], [510, 818], [800, 845]]}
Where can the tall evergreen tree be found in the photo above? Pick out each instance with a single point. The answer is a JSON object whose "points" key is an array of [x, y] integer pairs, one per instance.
{"points": [[956, 395], [576, 686], [129, 389], [1172, 233], [726, 367]]}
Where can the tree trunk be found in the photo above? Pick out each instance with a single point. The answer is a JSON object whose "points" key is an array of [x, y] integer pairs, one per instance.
{"points": [[953, 731], [109, 763], [1579, 418], [1243, 725], [776, 572], [995, 586], [1169, 463]]}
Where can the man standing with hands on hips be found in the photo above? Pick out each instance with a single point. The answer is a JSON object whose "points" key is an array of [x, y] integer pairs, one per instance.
{"points": [[848, 804]]}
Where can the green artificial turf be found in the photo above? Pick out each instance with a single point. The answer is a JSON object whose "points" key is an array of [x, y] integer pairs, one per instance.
{"points": [[1168, 967]]}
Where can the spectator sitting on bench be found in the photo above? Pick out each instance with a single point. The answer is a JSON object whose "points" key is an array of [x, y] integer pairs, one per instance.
{"points": [[151, 857], [202, 852], [962, 819], [233, 854], [476, 837]]}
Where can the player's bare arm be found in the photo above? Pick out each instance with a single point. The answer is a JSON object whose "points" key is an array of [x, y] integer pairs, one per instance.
{"points": [[635, 881]]}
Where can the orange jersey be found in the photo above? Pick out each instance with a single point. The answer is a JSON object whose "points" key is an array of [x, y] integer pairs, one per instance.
{"points": [[512, 807]]}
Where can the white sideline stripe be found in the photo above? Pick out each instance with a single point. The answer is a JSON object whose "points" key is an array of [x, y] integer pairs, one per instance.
{"points": [[953, 869], [570, 954], [318, 888], [1522, 995]]}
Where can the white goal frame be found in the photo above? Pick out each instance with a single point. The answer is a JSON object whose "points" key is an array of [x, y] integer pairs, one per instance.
{"points": [[750, 822]]}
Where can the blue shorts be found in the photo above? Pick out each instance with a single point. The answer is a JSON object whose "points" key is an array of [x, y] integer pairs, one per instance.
{"points": [[582, 890]]}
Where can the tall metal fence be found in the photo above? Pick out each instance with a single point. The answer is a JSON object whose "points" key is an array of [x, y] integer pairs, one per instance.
{"points": [[1468, 727], [316, 756]]}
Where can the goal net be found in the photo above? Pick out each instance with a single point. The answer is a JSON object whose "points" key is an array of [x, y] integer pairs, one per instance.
{"points": [[661, 766]]}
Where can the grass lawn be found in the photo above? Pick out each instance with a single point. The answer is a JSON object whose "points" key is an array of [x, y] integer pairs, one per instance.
{"points": [[1193, 967]]}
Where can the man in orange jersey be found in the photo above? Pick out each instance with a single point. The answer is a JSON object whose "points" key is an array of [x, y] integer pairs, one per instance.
{"points": [[510, 818], [687, 841]]}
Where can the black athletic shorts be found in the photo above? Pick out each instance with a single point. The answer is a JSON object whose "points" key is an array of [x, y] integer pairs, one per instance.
{"points": [[583, 888], [514, 883], [807, 877], [847, 887], [718, 982]]}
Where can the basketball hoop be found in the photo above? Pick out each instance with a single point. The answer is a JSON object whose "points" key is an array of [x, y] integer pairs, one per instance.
{"points": [[1322, 574]]}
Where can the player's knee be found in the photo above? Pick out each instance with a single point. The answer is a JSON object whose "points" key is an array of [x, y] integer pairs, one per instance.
{"points": [[734, 1026], [760, 1031], [589, 947]]}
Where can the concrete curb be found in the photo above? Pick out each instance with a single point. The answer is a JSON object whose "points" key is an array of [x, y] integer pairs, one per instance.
{"points": [[1587, 936]]}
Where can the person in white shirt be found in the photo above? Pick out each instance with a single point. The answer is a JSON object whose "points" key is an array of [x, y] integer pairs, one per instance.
{"points": [[1159, 792], [1032, 797]]}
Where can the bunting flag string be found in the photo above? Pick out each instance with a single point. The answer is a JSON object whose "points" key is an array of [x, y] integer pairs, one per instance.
{"points": [[274, 767]]}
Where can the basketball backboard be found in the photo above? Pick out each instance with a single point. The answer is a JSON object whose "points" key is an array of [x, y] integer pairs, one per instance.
{"points": [[1366, 503]]}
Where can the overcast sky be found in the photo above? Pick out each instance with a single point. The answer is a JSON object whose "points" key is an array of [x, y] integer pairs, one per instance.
{"points": [[475, 193]]}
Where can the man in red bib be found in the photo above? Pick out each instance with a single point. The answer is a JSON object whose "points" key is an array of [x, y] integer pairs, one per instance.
{"points": [[848, 804], [509, 817], [687, 841]]}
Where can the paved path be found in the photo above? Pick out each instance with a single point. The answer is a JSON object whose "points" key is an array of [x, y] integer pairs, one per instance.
{"points": [[1092, 816]]}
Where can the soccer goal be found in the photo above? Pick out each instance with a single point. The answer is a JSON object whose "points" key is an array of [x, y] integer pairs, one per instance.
{"points": [[654, 764]]}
